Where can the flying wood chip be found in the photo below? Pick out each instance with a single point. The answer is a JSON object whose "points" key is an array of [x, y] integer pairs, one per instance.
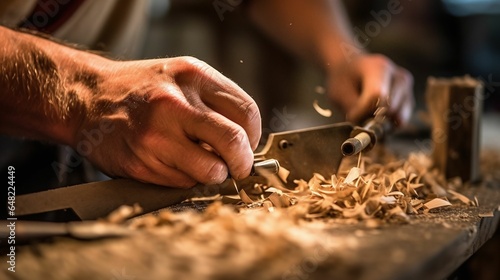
{"points": [[324, 112]]}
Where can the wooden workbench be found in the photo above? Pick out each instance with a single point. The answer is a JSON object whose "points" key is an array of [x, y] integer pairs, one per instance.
{"points": [[430, 246]]}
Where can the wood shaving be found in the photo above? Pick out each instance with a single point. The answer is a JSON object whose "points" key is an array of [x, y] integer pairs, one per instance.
{"points": [[245, 198], [283, 173], [462, 198], [324, 112], [436, 203], [123, 213], [367, 189], [375, 187], [487, 215], [354, 174], [272, 235]]}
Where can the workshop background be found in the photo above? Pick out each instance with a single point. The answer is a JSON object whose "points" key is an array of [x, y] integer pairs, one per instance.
{"points": [[442, 38], [430, 38]]}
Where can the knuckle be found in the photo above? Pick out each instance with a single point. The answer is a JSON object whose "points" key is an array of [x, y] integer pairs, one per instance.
{"points": [[251, 113], [253, 120], [193, 64], [190, 60], [233, 138], [239, 156], [198, 72]]}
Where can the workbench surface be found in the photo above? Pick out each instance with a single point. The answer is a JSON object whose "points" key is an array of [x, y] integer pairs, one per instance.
{"points": [[430, 246]]}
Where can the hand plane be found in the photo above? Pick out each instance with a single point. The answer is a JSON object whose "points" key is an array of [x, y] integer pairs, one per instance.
{"points": [[302, 152]]}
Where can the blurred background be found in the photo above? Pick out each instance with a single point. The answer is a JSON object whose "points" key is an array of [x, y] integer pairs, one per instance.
{"points": [[442, 38], [430, 38]]}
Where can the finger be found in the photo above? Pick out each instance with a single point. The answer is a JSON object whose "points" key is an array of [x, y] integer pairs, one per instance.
{"points": [[195, 161], [147, 168], [406, 111], [402, 114], [167, 176], [172, 156], [344, 94], [401, 99], [225, 97], [376, 83], [226, 137], [237, 107]]}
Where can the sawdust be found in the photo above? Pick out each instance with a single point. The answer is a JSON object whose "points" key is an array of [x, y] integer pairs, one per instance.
{"points": [[379, 186], [272, 233], [219, 243], [375, 188]]}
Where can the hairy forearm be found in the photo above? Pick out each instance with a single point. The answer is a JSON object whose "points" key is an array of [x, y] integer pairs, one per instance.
{"points": [[137, 119], [314, 29], [44, 86]]}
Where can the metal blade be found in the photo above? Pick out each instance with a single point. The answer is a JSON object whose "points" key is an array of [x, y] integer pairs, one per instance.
{"points": [[307, 151], [94, 200]]}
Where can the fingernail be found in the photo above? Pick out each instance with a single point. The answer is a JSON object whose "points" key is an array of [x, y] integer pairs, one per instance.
{"points": [[219, 173]]}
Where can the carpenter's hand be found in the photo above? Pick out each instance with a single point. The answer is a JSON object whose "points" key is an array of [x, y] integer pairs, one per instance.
{"points": [[173, 122], [366, 81]]}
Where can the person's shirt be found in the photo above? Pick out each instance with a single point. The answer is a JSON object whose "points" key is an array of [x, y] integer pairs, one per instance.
{"points": [[114, 26]]}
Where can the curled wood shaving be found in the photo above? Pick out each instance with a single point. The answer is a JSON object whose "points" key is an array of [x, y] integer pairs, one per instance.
{"points": [[374, 189], [124, 212], [436, 203], [462, 198], [382, 189], [365, 189], [283, 173], [324, 112], [245, 198], [354, 174]]}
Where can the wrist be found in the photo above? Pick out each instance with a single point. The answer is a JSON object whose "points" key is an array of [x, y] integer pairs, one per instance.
{"points": [[336, 53], [67, 78], [82, 75]]}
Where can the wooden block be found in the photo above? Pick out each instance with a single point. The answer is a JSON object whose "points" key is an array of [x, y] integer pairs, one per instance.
{"points": [[455, 107]]}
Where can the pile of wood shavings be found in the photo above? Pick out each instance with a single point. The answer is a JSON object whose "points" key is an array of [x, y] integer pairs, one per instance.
{"points": [[216, 244], [266, 239], [369, 190]]}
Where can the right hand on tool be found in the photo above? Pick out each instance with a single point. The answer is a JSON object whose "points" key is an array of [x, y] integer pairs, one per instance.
{"points": [[157, 116], [368, 81]]}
